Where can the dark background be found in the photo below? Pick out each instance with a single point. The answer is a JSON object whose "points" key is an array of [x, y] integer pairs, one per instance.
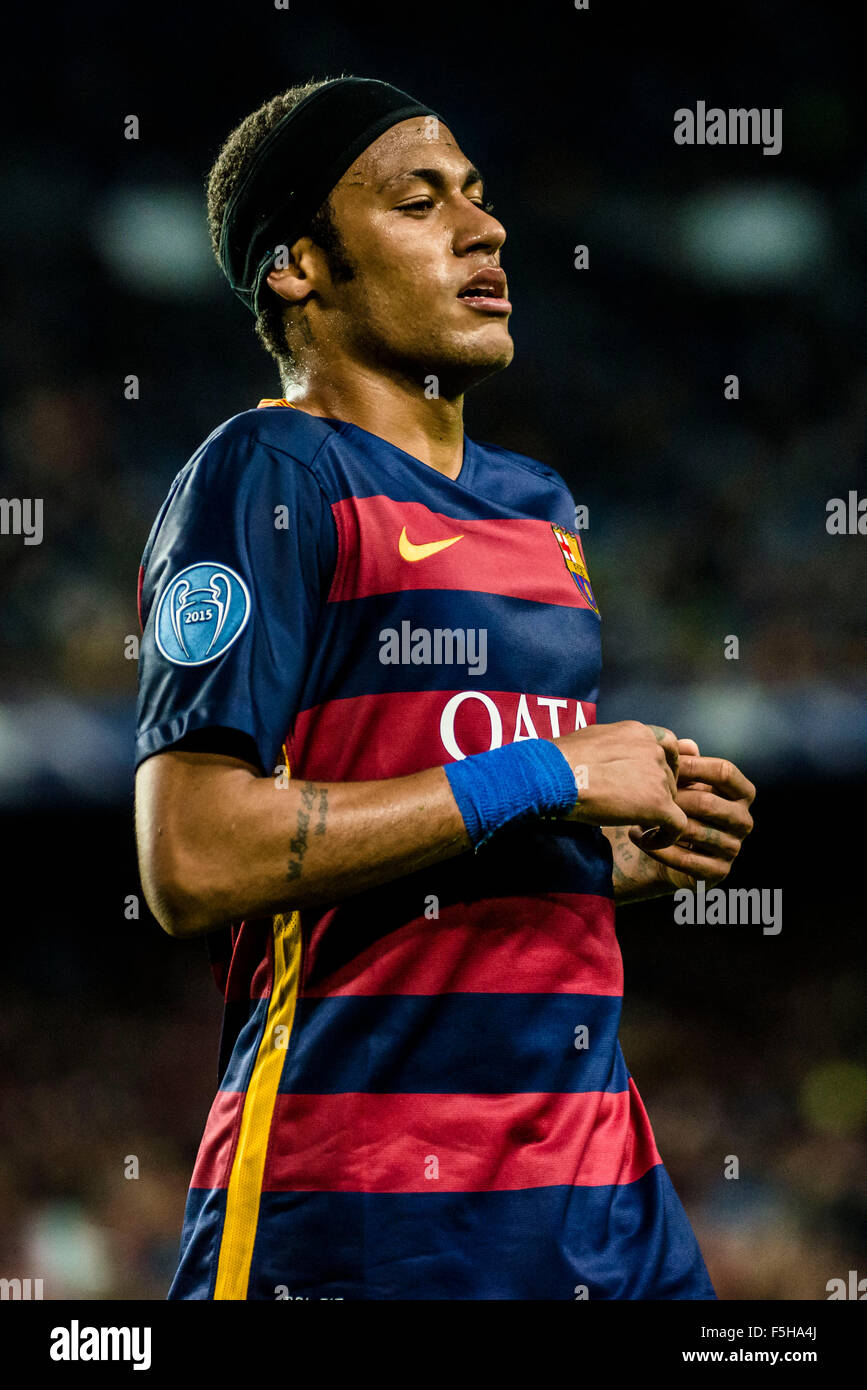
{"points": [[707, 519]]}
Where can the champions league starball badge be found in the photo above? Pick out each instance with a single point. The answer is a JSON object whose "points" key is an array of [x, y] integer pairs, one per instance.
{"points": [[202, 610]]}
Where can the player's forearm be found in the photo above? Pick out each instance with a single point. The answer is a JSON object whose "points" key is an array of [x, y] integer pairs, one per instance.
{"points": [[255, 847]]}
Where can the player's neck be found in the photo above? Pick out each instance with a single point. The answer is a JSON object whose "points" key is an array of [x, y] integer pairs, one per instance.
{"points": [[430, 429]]}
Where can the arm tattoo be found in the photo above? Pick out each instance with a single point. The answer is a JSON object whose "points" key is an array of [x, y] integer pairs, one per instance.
{"points": [[626, 861], [298, 843]]}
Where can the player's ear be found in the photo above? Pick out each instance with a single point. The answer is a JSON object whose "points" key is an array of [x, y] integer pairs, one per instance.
{"points": [[295, 271]]}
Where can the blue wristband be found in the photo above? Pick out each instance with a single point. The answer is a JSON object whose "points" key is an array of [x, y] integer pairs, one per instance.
{"points": [[529, 778]]}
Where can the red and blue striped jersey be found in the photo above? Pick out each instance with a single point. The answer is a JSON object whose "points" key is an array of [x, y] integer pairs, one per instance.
{"points": [[422, 1092]]}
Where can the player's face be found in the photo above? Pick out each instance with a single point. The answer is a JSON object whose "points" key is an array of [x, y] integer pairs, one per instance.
{"points": [[411, 217]]}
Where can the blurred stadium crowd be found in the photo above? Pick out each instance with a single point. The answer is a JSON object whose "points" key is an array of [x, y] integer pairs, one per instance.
{"points": [[706, 519]]}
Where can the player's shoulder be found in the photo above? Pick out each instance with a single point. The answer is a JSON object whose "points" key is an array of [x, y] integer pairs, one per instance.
{"points": [[252, 440], [522, 463], [257, 453]]}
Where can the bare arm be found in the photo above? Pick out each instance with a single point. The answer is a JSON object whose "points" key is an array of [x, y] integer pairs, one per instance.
{"points": [[218, 841]]}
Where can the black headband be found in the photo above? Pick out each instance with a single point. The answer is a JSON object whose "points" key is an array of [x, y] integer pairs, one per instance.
{"points": [[295, 168]]}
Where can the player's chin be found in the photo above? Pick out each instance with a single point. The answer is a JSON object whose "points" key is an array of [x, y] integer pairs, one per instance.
{"points": [[460, 360], [486, 351]]}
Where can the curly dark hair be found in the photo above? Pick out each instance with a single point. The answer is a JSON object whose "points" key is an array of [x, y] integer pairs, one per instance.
{"points": [[227, 169]]}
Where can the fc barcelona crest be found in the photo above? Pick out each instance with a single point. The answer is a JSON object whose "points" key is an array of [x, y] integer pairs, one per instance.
{"points": [[570, 548]]}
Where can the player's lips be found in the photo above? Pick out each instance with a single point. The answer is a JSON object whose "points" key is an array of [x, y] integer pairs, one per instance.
{"points": [[486, 290]]}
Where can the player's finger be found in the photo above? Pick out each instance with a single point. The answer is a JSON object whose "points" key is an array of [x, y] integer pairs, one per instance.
{"points": [[672, 824], [672, 782], [669, 746], [688, 747], [710, 809], [687, 861], [707, 839], [726, 779]]}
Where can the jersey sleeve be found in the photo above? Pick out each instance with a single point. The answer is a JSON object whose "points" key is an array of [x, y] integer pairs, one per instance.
{"points": [[240, 560]]}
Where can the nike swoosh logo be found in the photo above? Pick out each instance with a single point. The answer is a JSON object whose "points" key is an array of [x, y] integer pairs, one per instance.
{"points": [[423, 552]]}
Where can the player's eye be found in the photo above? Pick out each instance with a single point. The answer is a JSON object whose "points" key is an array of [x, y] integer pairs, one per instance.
{"points": [[422, 204]]}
